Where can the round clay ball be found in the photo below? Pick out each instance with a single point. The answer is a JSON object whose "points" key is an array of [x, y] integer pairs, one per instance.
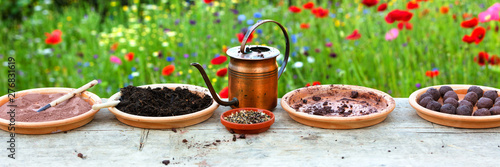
{"points": [[451, 101], [471, 97], [476, 90], [482, 112], [448, 108], [497, 103], [465, 103], [484, 102], [423, 96], [450, 94], [435, 93], [495, 110], [464, 110], [425, 101], [444, 89], [497, 100], [492, 94], [433, 105]]}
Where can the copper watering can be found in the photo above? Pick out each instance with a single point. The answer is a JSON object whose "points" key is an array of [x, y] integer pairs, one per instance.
{"points": [[253, 73]]}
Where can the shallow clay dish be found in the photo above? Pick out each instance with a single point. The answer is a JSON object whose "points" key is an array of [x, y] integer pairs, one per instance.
{"points": [[386, 105], [247, 128], [459, 121], [166, 122], [51, 126]]}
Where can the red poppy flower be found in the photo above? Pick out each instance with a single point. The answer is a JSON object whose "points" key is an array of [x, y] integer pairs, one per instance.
{"points": [[320, 12], [241, 36], [53, 38], [494, 60], [398, 15], [444, 9], [406, 25], [477, 36], [308, 84], [309, 5], [294, 9], [168, 70], [354, 35], [218, 60], [382, 7], [466, 15], [469, 23], [114, 47], [221, 72], [304, 26], [316, 83], [129, 56], [369, 3], [207, 1], [481, 58], [224, 93], [432, 74], [412, 5]]}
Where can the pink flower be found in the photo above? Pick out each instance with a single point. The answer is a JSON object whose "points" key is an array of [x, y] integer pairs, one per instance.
{"points": [[115, 60], [492, 13], [392, 34]]}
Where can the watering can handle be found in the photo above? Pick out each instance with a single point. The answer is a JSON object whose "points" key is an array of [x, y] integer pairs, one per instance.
{"points": [[287, 51]]}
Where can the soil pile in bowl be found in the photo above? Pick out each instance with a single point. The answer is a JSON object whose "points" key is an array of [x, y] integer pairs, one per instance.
{"points": [[29, 103], [341, 104], [161, 102]]}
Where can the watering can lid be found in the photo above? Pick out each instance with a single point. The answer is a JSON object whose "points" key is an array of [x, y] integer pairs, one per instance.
{"points": [[253, 52]]}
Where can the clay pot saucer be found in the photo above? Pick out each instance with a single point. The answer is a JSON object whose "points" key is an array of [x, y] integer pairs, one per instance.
{"points": [[166, 122], [386, 105], [52, 126], [247, 128], [459, 121]]}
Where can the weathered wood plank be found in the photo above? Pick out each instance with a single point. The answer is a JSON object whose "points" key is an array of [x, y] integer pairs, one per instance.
{"points": [[403, 139]]}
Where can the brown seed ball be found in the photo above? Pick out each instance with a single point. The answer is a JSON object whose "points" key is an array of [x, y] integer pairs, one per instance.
{"points": [[497, 100], [464, 110], [495, 110], [435, 93], [476, 90], [425, 101], [433, 105], [484, 102], [450, 94], [448, 108], [497, 103], [423, 96], [465, 103], [444, 89], [471, 97], [482, 112], [451, 101], [492, 94]]}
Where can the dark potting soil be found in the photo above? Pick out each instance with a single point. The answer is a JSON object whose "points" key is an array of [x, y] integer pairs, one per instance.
{"points": [[161, 102]]}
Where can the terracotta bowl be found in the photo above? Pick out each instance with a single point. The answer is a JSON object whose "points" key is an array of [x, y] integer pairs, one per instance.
{"points": [[459, 121], [247, 128], [386, 105], [166, 122], [51, 126]]}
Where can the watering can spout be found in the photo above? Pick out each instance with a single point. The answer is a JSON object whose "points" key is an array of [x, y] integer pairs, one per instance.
{"points": [[233, 102]]}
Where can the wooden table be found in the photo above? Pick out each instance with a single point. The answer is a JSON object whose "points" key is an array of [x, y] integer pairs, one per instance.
{"points": [[403, 139]]}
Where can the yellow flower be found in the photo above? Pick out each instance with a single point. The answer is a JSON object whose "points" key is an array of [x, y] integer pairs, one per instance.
{"points": [[57, 68], [147, 18], [180, 72], [125, 8], [68, 18], [113, 3], [210, 66], [337, 23], [214, 80], [91, 64], [190, 71]]}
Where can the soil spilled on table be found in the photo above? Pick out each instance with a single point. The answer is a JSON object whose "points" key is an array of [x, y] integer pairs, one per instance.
{"points": [[161, 102]]}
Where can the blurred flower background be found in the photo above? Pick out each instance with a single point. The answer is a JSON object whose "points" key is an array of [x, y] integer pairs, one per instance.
{"points": [[393, 45]]}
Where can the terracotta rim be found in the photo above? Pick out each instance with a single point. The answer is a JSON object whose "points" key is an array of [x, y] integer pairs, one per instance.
{"points": [[179, 118], [384, 112], [413, 102], [93, 98], [247, 126]]}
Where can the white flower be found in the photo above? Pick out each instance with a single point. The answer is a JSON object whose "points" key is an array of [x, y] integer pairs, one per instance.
{"points": [[135, 74], [298, 64], [38, 8], [310, 59]]}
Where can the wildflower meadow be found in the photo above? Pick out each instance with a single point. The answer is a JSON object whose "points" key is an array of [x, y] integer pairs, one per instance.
{"points": [[396, 46]]}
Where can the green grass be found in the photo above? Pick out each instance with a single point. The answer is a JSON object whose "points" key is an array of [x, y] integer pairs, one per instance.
{"points": [[371, 61]]}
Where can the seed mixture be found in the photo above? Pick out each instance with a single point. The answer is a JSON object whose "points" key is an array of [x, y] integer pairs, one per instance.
{"points": [[247, 117]]}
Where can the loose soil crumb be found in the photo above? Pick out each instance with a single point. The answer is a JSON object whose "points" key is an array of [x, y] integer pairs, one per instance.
{"points": [[184, 141], [161, 102], [174, 130], [165, 162], [242, 136], [234, 137], [80, 155]]}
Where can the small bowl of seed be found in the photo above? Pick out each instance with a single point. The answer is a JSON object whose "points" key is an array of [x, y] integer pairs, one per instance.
{"points": [[247, 120]]}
